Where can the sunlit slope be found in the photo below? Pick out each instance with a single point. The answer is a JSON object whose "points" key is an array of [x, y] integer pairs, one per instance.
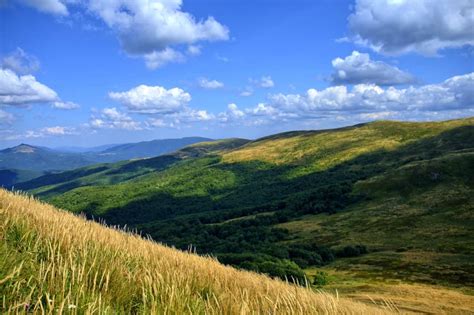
{"points": [[320, 150], [54, 262], [107, 174]]}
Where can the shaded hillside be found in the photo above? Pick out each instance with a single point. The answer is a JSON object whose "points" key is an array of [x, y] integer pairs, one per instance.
{"points": [[54, 262], [254, 206]]}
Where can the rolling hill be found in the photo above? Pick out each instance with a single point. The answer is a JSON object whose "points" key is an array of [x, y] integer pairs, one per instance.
{"points": [[383, 200]]}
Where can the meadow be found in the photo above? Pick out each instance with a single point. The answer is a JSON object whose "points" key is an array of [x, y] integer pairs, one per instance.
{"points": [[55, 262]]}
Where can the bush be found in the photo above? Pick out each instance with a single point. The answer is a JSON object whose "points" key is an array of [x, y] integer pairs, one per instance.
{"points": [[320, 279], [351, 251]]}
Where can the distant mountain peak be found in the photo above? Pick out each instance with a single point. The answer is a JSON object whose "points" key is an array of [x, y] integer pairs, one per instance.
{"points": [[24, 148]]}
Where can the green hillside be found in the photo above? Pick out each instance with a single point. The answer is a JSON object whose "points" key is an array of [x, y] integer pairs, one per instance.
{"points": [[370, 198]]}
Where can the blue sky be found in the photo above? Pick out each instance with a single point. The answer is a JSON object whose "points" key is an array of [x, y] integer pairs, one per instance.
{"points": [[89, 72]]}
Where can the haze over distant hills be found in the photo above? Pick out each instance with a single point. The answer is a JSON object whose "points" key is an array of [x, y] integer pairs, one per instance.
{"points": [[24, 162]]}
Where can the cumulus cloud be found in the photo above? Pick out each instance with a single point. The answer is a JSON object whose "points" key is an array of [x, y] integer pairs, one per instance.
{"points": [[150, 28], [20, 62], [232, 113], [55, 7], [23, 89], [157, 59], [179, 119], [359, 68], [453, 94], [264, 82], [422, 26], [147, 28], [263, 109], [111, 118], [452, 98], [65, 105], [153, 99], [210, 84]]}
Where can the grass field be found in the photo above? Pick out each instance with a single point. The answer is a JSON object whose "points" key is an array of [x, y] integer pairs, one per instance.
{"points": [[53, 262]]}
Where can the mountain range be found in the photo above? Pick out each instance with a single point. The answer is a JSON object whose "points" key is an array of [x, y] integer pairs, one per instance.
{"points": [[25, 162]]}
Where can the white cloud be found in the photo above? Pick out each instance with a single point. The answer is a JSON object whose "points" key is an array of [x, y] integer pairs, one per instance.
{"points": [[192, 115], [65, 105], [150, 28], [44, 132], [23, 89], [452, 98], [453, 94], [179, 119], [422, 26], [210, 84], [20, 62], [6, 118], [264, 82], [233, 113], [262, 110], [56, 7], [157, 59], [147, 28], [57, 131], [359, 68], [194, 50], [153, 99], [157, 123], [246, 92], [111, 118]]}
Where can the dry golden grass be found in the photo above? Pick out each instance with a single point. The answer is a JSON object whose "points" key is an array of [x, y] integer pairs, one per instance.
{"points": [[328, 148], [54, 262], [410, 298]]}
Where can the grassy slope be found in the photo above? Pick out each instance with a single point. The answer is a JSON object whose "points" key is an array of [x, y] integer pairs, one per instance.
{"points": [[416, 176], [113, 173], [417, 221], [54, 262]]}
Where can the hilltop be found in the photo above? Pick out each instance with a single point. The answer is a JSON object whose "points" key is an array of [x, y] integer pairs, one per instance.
{"points": [[53, 261], [383, 200]]}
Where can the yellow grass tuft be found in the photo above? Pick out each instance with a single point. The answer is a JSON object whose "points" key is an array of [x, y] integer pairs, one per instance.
{"points": [[52, 261]]}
